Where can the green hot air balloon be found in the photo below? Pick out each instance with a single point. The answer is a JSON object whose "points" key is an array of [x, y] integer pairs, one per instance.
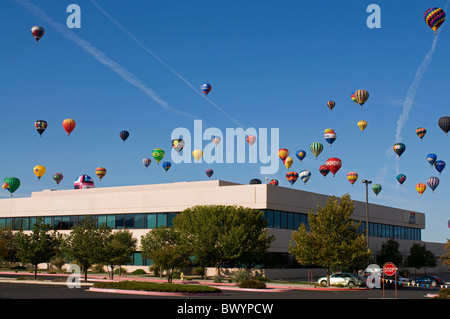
{"points": [[376, 188], [158, 154], [11, 184], [316, 148]]}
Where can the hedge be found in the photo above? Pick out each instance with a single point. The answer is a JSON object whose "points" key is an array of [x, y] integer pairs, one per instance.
{"points": [[159, 287]]}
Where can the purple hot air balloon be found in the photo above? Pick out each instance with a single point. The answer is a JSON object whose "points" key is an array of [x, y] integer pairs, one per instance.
{"points": [[433, 182], [209, 172]]}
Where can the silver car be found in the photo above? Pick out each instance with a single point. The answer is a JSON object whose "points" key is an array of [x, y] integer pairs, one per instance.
{"points": [[345, 279]]}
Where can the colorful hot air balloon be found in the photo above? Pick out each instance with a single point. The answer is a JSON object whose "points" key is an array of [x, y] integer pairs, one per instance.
{"points": [[421, 187], [334, 164], [39, 171], [431, 158], [158, 154], [283, 154], [273, 182], [69, 125], [124, 135], [434, 17], [439, 165], [292, 177], [421, 131], [376, 188], [330, 137], [324, 170], [352, 177], [216, 139], [361, 96], [331, 105], [304, 175], [209, 172], [178, 144], [251, 139], [166, 166], [316, 148], [37, 32], [444, 124], [401, 178], [352, 96], [288, 162], [362, 125], [300, 154], [83, 181], [146, 162], [206, 88], [433, 182], [40, 126], [57, 177], [11, 184], [197, 154], [100, 172], [399, 148]]}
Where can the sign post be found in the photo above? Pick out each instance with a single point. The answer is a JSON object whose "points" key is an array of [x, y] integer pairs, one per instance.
{"points": [[389, 269]]}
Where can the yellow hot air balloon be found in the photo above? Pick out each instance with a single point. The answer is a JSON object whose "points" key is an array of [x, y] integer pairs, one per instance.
{"points": [[39, 171], [361, 96], [362, 125], [421, 187], [288, 162], [197, 154]]}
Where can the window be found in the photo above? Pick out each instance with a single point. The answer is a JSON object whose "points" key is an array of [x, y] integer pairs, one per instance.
{"points": [[276, 219], [162, 219], [120, 221], [129, 221], [139, 221], [151, 220]]}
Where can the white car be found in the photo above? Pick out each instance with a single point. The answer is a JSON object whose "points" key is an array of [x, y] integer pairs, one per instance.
{"points": [[345, 279]]}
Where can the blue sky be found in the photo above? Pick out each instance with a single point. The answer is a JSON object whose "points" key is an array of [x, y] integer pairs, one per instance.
{"points": [[272, 64]]}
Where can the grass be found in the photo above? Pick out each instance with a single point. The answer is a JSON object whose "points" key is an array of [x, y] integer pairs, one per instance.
{"points": [[158, 287]]}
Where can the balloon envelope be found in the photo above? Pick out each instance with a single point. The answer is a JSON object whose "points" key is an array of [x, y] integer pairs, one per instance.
{"points": [[316, 148], [434, 18], [399, 148], [300, 154], [431, 158], [421, 187], [255, 181], [57, 177], [11, 184], [444, 124], [37, 32], [197, 154], [421, 131], [274, 182], [330, 137], [331, 104], [100, 172], [334, 164], [166, 166], [352, 177], [146, 162], [433, 182], [361, 96], [401, 178], [216, 139], [158, 154], [178, 144], [288, 162], [83, 181], [209, 172], [39, 171], [304, 175], [69, 125], [251, 139], [292, 177], [283, 154], [362, 125], [40, 126], [324, 170], [439, 165], [206, 88], [124, 135], [376, 188]]}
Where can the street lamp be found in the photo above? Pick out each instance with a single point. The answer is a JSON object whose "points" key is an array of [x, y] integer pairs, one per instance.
{"points": [[367, 210]]}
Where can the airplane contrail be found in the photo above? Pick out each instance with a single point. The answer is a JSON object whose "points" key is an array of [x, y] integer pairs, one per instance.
{"points": [[100, 56]]}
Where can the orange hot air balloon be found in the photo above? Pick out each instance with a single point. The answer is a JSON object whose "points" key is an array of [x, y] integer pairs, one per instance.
{"points": [[69, 125], [352, 177], [283, 154], [251, 139], [421, 187]]}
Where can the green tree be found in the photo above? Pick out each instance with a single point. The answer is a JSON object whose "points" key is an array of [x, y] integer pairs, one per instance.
{"points": [[8, 245], [221, 234], [119, 249], [445, 257], [39, 246], [420, 257], [166, 249], [390, 253], [333, 240]]}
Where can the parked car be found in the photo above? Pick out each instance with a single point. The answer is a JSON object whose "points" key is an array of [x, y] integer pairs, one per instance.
{"points": [[343, 278], [433, 281]]}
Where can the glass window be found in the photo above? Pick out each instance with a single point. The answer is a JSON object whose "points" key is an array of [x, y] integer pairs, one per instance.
{"points": [[129, 221], [120, 221], [137, 259], [73, 221], [151, 220], [65, 222], [276, 219], [25, 223], [17, 223], [283, 217], [57, 222], [48, 220], [139, 221], [290, 221], [2, 222], [9, 222], [170, 217], [162, 219], [296, 221], [269, 216], [101, 220], [111, 221]]}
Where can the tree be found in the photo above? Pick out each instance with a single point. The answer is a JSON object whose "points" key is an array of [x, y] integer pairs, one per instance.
{"points": [[420, 256], [8, 245], [221, 234], [333, 239], [85, 245], [39, 246], [446, 256], [119, 248], [166, 250], [390, 253]]}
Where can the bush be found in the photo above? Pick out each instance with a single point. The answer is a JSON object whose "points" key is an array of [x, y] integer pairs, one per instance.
{"points": [[139, 272], [150, 286], [241, 275], [251, 283], [444, 293]]}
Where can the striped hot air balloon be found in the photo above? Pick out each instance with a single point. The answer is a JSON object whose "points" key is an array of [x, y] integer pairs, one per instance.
{"points": [[421, 131], [434, 18], [352, 177], [100, 172], [433, 182], [421, 187], [361, 96], [292, 177], [331, 104], [316, 148]]}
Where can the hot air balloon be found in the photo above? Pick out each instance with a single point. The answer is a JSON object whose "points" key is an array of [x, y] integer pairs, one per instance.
{"points": [[433, 182], [83, 181], [69, 125], [352, 96], [124, 135], [292, 177], [40, 126], [316, 148], [39, 171], [209, 172], [100, 172], [37, 32], [158, 154], [444, 124], [178, 144], [166, 166], [197, 154], [304, 175], [251, 139], [283, 154], [431, 158], [330, 137], [362, 125], [255, 181], [300, 154], [11, 184], [439, 165], [421, 131], [324, 170], [376, 189], [288, 162], [331, 104], [146, 162], [334, 164], [328, 130], [434, 17], [206, 88], [352, 177], [361, 96], [216, 139], [273, 182], [401, 178], [399, 148], [57, 177], [421, 187]]}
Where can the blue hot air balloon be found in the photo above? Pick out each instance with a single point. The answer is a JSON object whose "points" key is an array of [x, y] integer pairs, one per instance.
{"points": [[209, 172], [304, 175], [399, 148], [166, 166], [401, 178], [431, 158], [124, 135], [439, 165], [206, 88], [300, 154]]}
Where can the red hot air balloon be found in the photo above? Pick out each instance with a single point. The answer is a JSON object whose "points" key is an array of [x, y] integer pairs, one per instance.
{"points": [[334, 164], [251, 139], [37, 32], [331, 105], [69, 125], [283, 154], [292, 177], [324, 170]]}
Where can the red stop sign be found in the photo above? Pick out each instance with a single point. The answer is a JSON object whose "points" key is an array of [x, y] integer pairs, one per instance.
{"points": [[389, 269]]}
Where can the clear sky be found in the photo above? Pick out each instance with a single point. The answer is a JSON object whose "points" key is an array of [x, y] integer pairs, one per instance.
{"points": [[138, 66]]}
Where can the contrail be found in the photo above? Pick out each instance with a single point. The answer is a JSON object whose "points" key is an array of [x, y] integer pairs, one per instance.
{"points": [[120, 26], [100, 56]]}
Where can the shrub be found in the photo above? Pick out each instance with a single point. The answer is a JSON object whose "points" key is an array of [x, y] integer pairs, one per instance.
{"points": [[139, 272], [444, 293], [160, 287], [251, 283], [241, 275]]}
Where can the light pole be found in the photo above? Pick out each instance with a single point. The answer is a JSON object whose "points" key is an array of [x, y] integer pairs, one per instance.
{"points": [[367, 211]]}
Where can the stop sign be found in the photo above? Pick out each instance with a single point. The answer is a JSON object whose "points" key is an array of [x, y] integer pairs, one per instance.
{"points": [[389, 269]]}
